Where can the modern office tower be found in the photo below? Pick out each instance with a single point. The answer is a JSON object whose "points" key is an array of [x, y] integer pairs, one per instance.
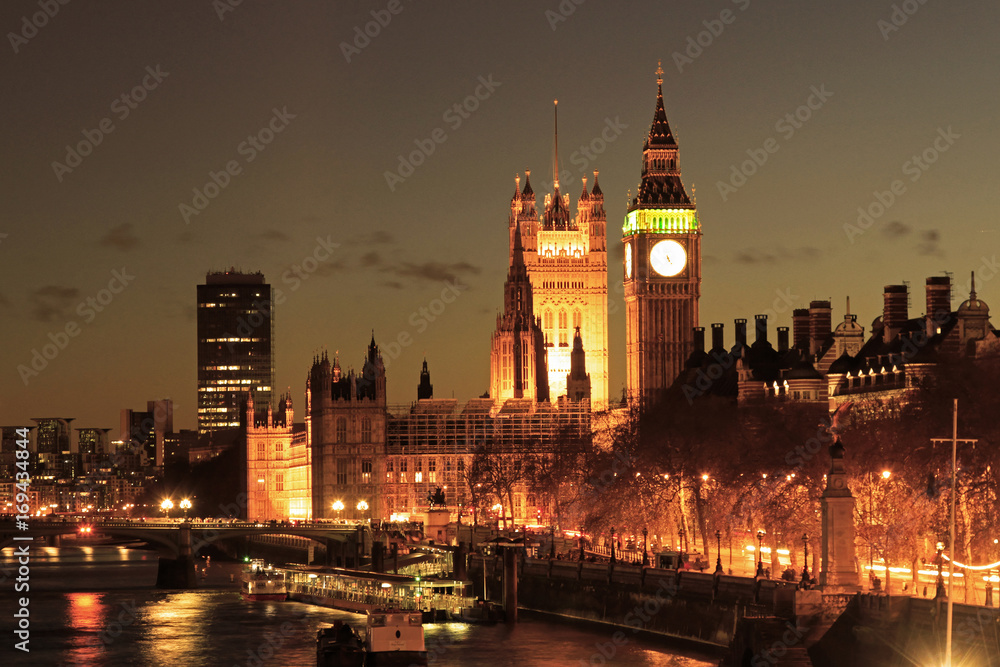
{"points": [[137, 433], [51, 440], [163, 424], [11, 438], [93, 441], [235, 347]]}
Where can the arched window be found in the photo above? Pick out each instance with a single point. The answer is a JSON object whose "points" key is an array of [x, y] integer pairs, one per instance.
{"points": [[577, 318], [366, 430], [563, 332], [341, 429]]}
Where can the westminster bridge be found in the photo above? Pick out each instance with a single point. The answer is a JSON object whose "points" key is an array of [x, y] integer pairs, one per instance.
{"points": [[178, 542]]}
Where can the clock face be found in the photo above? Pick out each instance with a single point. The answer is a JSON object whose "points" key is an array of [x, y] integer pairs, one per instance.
{"points": [[668, 258], [628, 260]]}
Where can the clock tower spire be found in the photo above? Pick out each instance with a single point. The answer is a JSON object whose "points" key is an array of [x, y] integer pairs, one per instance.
{"points": [[662, 237]]}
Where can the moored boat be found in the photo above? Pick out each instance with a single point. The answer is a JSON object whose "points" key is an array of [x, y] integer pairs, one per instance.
{"points": [[392, 638], [260, 582]]}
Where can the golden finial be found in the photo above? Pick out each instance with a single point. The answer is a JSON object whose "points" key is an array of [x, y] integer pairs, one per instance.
{"points": [[659, 73]]}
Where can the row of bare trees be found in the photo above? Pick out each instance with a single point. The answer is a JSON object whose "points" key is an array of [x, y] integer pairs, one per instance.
{"points": [[681, 470]]}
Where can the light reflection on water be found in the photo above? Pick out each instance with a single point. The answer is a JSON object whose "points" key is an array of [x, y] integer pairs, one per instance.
{"points": [[100, 608]]}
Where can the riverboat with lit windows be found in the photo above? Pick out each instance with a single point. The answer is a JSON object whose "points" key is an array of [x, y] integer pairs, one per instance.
{"points": [[392, 638], [260, 582]]}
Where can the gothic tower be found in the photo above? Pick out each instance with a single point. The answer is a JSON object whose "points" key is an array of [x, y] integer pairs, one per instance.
{"points": [[566, 260], [578, 380], [662, 272], [425, 389], [517, 357], [346, 426]]}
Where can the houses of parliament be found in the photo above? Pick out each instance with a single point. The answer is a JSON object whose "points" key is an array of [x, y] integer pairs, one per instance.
{"points": [[548, 359], [356, 457]]}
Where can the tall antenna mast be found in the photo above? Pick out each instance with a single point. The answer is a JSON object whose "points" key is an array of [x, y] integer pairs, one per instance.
{"points": [[555, 162]]}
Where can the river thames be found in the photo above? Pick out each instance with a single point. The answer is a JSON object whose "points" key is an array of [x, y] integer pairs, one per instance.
{"points": [[98, 606]]}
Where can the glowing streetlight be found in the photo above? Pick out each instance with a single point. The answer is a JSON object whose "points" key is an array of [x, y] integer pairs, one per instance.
{"points": [[886, 474], [185, 505], [166, 506], [338, 506], [362, 506]]}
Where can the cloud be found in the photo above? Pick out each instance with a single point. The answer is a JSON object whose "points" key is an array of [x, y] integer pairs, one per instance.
{"points": [[371, 258], [49, 302], [274, 235], [329, 268], [895, 229], [776, 255], [929, 244], [120, 238], [433, 271], [378, 237]]}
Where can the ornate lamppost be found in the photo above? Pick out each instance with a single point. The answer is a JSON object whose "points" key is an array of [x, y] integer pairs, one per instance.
{"points": [[612, 544], [805, 560], [718, 552], [680, 539], [645, 553], [760, 553], [581, 543]]}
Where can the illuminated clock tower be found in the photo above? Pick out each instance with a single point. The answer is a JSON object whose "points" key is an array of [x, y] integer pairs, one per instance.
{"points": [[662, 271]]}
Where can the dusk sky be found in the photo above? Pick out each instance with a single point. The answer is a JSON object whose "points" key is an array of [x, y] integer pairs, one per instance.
{"points": [[339, 111]]}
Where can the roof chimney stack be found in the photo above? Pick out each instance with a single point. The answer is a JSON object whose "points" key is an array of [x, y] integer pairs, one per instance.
{"points": [[760, 328], [938, 302], [741, 332], [820, 325], [782, 339], [800, 329], [894, 310], [699, 339], [718, 337]]}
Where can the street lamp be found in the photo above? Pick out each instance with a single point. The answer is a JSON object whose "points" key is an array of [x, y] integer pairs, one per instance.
{"points": [[680, 539], [612, 544], [338, 506], [805, 560], [645, 553], [718, 552], [760, 553], [185, 505], [166, 506]]}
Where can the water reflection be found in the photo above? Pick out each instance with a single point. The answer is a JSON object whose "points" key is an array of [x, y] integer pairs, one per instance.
{"points": [[123, 620], [86, 615], [176, 630]]}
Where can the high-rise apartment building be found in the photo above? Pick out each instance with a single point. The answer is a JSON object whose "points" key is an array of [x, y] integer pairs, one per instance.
{"points": [[235, 347]]}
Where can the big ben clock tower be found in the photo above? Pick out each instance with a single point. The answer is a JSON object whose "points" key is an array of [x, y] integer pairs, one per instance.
{"points": [[662, 271]]}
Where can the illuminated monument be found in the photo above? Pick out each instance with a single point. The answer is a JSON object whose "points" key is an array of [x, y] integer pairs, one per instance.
{"points": [[567, 263], [517, 352], [662, 272]]}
